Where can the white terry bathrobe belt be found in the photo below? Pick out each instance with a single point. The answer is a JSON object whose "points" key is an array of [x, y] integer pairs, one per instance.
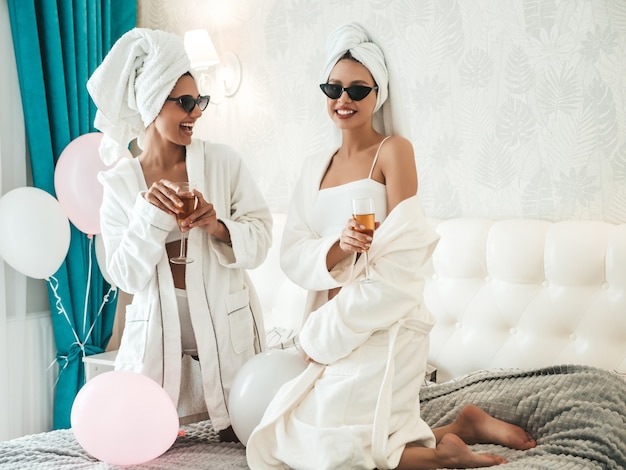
{"points": [[380, 431]]}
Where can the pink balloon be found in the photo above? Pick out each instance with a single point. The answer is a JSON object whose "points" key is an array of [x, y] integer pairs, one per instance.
{"points": [[255, 385], [76, 182], [124, 418]]}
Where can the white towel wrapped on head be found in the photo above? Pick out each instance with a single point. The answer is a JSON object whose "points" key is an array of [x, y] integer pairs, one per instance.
{"points": [[131, 85]]}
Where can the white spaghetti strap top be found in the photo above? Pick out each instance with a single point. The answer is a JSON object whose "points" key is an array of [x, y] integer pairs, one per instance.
{"points": [[376, 157], [333, 206]]}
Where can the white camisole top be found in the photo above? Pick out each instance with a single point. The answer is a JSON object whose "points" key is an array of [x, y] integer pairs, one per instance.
{"points": [[333, 206]]}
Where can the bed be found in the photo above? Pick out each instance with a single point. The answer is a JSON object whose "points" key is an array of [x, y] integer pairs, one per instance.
{"points": [[531, 326]]}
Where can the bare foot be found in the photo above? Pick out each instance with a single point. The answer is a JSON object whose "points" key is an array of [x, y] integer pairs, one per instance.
{"points": [[451, 452], [478, 427], [454, 453]]}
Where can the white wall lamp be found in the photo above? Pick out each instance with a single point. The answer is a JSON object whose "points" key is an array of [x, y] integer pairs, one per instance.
{"points": [[220, 75]]}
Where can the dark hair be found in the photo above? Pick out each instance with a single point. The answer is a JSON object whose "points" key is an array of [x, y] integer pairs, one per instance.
{"points": [[348, 55]]}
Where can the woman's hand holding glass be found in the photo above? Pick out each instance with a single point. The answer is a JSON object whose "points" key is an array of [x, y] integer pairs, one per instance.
{"points": [[163, 194], [353, 239], [186, 203], [356, 237]]}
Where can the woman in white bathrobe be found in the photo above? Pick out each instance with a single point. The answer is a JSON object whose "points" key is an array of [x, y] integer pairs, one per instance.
{"points": [[357, 403], [207, 309]]}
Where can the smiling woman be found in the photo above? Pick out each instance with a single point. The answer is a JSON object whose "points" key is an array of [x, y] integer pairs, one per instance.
{"points": [[363, 320], [176, 311]]}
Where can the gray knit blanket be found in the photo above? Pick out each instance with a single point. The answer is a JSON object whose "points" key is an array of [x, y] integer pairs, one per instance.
{"points": [[576, 413]]}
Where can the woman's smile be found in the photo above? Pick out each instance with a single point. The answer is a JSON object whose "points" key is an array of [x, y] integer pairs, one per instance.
{"points": [[344, 113], [187, 128]]}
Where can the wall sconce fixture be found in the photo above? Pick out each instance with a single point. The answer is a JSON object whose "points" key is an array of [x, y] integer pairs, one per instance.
{"points": [[220, 75]]}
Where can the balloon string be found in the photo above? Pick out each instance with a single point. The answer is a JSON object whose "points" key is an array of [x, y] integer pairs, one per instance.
{"points": [[54, 285], [105, 300], [87, 286], [56, 360]]}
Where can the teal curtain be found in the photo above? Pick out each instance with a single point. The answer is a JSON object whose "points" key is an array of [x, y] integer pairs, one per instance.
{"points": [[58, 44]]}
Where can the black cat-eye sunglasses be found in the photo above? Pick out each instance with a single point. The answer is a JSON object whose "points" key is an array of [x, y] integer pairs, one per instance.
{"points": [[188, 102], [355, 92]]}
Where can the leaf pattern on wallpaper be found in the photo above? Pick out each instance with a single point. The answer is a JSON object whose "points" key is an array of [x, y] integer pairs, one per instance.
{"points": [[588, 133], [600, 114], [576, 188], [539, 15], [432, 47], [537, 198], [448, 13], [476, 69], [441, 200], [448, 148], [601, 41], [494, 168], [515, 123], [616, 11], [299, 13], [517, 72], [430, 95], [473, 118], [552, 49], [410, 12], [615, 210], [618, 164], [559, 92], [615, 207], [276, 29]]}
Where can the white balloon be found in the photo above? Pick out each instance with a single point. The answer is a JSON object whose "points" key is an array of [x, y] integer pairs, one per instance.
{"points": [[34, 232], [256, 383]]}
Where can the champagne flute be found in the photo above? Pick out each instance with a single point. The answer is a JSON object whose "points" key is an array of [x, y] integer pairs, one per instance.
{"points": [[363, 213], [184, 191]]}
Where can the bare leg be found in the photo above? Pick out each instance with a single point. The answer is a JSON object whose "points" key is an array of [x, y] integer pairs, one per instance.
{"points": [[475, 426], [451, 452]]}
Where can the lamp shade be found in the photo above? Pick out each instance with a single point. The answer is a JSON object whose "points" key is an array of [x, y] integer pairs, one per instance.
{"points": [[200, 49]]}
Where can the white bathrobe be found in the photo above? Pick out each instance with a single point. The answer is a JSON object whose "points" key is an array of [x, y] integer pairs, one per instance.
{"points": [[224, 308], [358, 407]]}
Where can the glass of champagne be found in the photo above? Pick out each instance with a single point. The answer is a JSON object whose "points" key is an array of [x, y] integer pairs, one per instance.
{"points": [[185, 192], [363, 213]]}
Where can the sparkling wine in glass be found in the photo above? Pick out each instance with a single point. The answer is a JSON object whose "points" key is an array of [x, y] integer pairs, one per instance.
{"points": [[185, 192], [363, 212]]}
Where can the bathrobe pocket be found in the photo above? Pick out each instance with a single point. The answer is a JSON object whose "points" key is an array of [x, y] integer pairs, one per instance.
{"points": [[240, 320], [135, 337]]}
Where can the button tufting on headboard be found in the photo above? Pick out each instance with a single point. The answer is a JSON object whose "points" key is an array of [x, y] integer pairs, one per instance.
{"points": [[528, 293]]}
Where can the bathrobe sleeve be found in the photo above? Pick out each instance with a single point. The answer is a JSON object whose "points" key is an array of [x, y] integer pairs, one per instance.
{"points": [[401, 246], [239, 205], [133, 230], [303, 251]]}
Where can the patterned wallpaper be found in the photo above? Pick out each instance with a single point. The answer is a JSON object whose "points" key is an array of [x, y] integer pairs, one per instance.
{"points": [[516, 108]]}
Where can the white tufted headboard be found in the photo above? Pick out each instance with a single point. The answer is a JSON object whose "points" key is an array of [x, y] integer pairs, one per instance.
{"points": [[527, 293], [511, 293]]}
